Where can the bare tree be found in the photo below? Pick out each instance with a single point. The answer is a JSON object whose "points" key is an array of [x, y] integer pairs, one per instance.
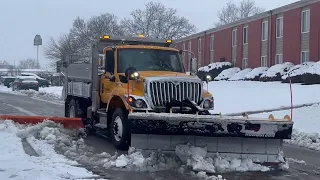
{"points": [[157, 21], [28, 64], [4, 62], [231, 12]]}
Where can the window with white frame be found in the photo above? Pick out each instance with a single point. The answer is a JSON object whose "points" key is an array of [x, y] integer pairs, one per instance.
{"points": [[305, 21], [244, 63], [189, 55], [211, 42], [199, 45], [245, 35], [304, 56], [183, 48], [234, 38], [279, 26], [264, 30], [279, 59], [264, 62]]}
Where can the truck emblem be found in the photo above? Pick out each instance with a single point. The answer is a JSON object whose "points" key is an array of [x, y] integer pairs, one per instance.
{"points": [[176, 83]]}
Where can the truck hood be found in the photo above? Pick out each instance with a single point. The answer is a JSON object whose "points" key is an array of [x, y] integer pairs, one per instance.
{"points": [[146, 74]]}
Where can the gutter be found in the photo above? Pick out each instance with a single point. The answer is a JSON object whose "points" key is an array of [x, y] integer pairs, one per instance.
{"points": [[270, 39]]}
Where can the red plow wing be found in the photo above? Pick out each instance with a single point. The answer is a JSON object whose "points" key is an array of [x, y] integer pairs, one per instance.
{"points": [[66, 122]]}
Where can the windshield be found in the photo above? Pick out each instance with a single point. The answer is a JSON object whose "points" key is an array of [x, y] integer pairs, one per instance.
{"points": [[149, 60]]}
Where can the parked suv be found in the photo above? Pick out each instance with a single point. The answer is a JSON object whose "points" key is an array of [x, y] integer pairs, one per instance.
{"points": [[25, 82]]}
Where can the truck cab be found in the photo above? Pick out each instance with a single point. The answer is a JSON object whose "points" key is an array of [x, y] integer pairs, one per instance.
{"points": [[128, 75]]}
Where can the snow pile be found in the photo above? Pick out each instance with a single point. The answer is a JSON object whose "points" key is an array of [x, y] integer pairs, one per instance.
{"points": [[240, 75], [16, 164], [308, 140], [314, 69], [256, 73], [212, 66], [227, 73], [53, 92], [297, 70], [277, 70], [196, 158]]}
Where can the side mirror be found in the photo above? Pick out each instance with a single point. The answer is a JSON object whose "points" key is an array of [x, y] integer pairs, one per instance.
{"points": [[193, 68], [101, 72]]}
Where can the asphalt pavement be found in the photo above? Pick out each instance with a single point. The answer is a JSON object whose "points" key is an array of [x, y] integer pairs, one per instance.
{"points": [[24, 105]]}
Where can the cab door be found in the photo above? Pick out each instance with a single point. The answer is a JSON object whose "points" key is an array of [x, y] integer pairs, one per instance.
{"points": [[108, 80]]}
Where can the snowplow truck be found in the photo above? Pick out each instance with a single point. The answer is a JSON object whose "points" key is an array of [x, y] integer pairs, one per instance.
{"points": [[135, 91]]}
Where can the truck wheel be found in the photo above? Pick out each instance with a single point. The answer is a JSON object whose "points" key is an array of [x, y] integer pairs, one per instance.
{"points": [[74, 111], [120, 131]]}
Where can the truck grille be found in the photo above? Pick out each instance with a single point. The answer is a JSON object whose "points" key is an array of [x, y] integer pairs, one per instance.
{"points": [[163, 92]]}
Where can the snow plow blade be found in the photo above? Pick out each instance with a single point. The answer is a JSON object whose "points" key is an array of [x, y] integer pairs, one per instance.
{"points": [[238, 137], [74, 123]]}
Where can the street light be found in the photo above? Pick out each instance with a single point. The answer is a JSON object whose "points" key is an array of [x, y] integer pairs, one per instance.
{"points": [[37, 42]]}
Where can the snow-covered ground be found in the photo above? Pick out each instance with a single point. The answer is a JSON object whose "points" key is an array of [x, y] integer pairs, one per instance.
{"points": [[54, 92], [242, 96], [16, 164]]}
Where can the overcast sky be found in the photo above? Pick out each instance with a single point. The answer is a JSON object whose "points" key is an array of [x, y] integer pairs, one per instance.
{"points": [[21, 20]]}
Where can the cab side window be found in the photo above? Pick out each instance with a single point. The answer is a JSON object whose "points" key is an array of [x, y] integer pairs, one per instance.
{"points": [[110, 62]]}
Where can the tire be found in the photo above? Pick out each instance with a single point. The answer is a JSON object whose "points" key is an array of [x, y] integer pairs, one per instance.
{"points": [[121, 142], [74, 110]]}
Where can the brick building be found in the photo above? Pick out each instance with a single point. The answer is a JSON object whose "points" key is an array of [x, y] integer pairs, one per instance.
{"points": [[285, 34]]}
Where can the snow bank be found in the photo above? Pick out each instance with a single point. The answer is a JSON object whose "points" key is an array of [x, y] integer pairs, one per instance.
{"points": [[54, 92], [314, 69], [227, 73], [256, 73], [240, 75], [297, 70], [242, 96], [275, 72], [308, 140], [15, 163], [215, 65]]}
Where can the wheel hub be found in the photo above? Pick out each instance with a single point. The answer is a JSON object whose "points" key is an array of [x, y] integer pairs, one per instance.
{"points": [[118, 128], [72, 112]]}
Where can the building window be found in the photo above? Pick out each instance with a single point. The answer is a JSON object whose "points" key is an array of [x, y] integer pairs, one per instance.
{"points": [[199, 45], [245, 35], [279, 27], [183, 49], [279, 59], [264, 30], [211, 43], [244, 63], [233, 63], [234, 38], [305, 21], [264, 62], [304, 56], [189, 55]]}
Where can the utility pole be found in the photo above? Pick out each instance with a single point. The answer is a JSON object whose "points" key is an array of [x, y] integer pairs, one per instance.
{"points": [[37, 42]]}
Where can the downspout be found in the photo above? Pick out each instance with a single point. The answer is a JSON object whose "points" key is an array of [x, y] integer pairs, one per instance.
{"points": [[204, 48], [270, 39]]}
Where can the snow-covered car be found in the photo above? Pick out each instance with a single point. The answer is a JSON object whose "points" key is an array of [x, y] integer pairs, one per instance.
{"points": [[42, 82], [26, 83], [7, 80]]}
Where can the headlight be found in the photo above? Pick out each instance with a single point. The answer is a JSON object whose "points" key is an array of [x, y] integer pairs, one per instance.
{"points": [[208, 103], [137, 103]]}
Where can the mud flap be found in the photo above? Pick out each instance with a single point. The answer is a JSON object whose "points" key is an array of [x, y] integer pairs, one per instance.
{"points": [[232, 136]]}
